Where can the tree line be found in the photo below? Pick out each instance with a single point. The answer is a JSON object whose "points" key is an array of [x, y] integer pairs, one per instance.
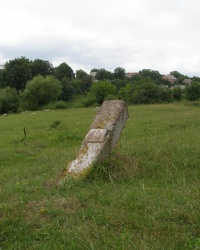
{"points": [[32, 85]]}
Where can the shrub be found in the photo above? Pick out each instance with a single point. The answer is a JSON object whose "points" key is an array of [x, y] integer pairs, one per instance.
{"points": [[193, 91], [60, 105], [101, 89], [177, 93], [146, 93], [126, 93], [110, 97], [9, 100], [40, 91], [166, 95], [89, 101]]}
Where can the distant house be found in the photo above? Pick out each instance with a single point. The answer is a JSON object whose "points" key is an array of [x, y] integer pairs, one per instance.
{"points": [[169, 78], [131, 74], [187, 81], [93, 74]]}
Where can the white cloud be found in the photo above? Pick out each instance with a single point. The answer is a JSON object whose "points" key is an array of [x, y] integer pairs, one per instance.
{"points": [[135, 34]]}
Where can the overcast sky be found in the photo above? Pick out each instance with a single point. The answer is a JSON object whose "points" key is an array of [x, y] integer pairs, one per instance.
{"points": [[161, 35]]}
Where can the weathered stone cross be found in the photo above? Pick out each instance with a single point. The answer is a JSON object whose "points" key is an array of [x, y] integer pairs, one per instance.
{"points": [[100, 140]]}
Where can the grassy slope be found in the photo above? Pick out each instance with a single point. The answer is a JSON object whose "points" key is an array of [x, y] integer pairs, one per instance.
{"points": [[146, 198]]}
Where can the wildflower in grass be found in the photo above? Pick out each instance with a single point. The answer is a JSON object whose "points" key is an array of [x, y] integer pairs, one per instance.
{"points": [[42, 210]]}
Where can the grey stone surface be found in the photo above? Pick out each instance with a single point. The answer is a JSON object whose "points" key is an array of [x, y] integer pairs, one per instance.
{"points": [[101, 139], [96, 135]]}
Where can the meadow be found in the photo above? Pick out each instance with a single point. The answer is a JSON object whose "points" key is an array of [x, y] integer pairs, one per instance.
{"points": [[146, 196]]}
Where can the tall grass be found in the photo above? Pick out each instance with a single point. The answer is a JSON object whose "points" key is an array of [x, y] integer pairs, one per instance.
{"points": [[146, 196]]}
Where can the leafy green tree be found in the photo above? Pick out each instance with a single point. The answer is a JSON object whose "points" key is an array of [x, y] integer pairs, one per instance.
{"points": [[103, 74], [41, 67], [119, 83], [119, 73], [63, 70], [146, 92], [153, 74], [193, 91], [102, 89], [176, 74], [85, 84], [68, 90], [1, 79], [77, 86], [40, 91], [166, 95], [9, 100], [80, 73], [195, 79], [16, 73], [126, 93], [177, 93], [111, 97], [93, 70]]}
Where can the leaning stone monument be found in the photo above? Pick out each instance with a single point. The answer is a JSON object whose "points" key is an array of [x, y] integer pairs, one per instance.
{"points": [[99, 141]]}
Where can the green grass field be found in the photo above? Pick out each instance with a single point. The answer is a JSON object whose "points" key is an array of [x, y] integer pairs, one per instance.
{"points": [[147, 196]]}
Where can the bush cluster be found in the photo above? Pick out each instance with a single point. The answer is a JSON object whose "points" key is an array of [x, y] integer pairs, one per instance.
{"points": [[33, 85]]}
